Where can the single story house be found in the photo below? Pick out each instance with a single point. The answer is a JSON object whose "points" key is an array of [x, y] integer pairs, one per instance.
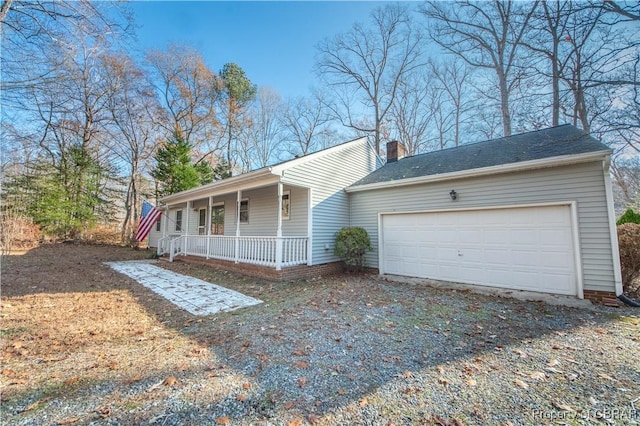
{"points": [[533, 211]]}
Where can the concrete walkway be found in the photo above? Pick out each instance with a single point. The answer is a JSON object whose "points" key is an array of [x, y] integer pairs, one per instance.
{"points": [[191, 294]]}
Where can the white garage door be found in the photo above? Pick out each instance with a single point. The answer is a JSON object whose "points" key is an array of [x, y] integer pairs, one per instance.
{"points": [[521, 248]]}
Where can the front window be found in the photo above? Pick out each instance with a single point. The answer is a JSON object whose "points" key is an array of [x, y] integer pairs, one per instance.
{"points": [[178, 220], [158, 225], [244, 211], [217, 220], [286, 205], [202, 221]]}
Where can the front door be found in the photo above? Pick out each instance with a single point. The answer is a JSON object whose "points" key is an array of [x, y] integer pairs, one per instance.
{"points": [[217, 220]]}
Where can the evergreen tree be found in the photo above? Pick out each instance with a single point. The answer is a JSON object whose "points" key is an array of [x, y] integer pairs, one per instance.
{"points": [[174, 169]]}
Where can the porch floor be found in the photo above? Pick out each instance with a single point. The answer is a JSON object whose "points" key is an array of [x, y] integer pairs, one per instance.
{"points": [[196, 296]]}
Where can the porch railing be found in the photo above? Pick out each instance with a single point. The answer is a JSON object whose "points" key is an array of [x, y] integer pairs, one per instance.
{"points": [[275, 252]]}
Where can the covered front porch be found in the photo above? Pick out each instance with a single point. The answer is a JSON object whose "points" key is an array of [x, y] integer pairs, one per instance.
{"points": [[256, 220]]}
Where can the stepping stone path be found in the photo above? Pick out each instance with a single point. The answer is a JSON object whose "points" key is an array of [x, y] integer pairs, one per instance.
{"points": [[191, 294]]}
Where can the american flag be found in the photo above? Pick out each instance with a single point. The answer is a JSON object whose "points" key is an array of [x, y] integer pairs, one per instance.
{"points": [[150, 216]]}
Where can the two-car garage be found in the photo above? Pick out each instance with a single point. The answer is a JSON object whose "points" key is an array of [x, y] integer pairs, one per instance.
{"points": [[526, 248]]}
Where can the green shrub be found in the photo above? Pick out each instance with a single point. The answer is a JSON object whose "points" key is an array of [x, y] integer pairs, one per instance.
{"points": [[629, 217], [629, 246], [351, 245]]}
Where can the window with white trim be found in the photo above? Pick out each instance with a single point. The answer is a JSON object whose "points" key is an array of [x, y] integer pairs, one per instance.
{"points": [[286, 205], [178, 220], [244, 211], [202, 221]]}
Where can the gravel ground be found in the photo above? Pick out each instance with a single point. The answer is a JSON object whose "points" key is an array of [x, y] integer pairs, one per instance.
{"points": [[351, 350]]}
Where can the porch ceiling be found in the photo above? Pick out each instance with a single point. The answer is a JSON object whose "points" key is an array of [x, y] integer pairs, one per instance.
{"points": [[254, 180]]}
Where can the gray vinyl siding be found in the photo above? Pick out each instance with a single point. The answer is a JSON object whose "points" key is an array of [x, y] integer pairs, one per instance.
{"points": [[327, 176], [582, 183]]}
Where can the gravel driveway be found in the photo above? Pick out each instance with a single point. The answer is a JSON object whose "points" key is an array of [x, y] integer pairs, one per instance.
{"points": [[356, 350]]}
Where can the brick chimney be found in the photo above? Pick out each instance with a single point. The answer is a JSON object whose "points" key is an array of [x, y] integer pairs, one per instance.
{"points": [[395, 151]]}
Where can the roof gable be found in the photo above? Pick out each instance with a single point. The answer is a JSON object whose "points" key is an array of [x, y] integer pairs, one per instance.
{"points": [[549, 143]]}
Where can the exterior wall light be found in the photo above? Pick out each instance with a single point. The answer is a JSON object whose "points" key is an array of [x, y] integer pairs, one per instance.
{"points": [[453, 194]]}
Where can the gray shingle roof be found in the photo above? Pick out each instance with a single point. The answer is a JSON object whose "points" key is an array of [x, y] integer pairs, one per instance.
{"points": [[540, 144]]}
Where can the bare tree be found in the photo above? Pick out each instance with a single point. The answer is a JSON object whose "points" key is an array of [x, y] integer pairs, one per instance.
{"points": [[135, 110], [487, 36], [188, 90], [264, 134], [626, 178], [305, 119], [629, 11], [453, 78], [412, 114], [370, 62]]}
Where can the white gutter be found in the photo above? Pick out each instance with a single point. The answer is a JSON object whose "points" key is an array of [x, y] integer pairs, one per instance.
{"points": [[483, 171]]}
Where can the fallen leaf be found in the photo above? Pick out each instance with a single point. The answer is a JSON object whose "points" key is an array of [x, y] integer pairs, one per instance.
{"points": [[606, 376], [288, 405], [299, 352], [103, 411], [68, 421], [520, 353], [302, 381], [363, 402], [35, 404], [71, 381], [313, 418], [440, 369], [246, 385], [170, 381], [520, 383], [302, 364], [443, 381], [601, 331], [295, 422], [241, 397], [538, 375], [562, 406], [471, 382], [407, 374], [223, 420]]}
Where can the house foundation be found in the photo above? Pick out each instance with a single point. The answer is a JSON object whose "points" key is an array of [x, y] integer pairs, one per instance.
{"points": [[264, 272]]}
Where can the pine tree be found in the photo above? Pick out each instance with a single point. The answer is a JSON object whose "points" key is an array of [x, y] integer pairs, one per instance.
{"points": [[174, 169]]}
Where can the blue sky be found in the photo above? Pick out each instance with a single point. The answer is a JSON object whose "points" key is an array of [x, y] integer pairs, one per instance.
{"points": [[274, 42]]}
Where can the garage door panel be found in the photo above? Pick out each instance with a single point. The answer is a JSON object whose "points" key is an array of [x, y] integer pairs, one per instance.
{"points": [[520, 248]]}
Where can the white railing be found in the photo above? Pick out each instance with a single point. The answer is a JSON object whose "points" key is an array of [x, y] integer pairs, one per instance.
{"points": [[253, 250], [176, 246], [164, 242]]}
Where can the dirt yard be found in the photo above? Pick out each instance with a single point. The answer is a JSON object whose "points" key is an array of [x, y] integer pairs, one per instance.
{"points": [[82, 344]]}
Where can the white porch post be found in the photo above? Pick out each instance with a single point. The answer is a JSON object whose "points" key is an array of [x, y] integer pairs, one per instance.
{"points": [[166, 222], [186, 221], [187, 213], [238, 201], [279, 229], [208, 225]]}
